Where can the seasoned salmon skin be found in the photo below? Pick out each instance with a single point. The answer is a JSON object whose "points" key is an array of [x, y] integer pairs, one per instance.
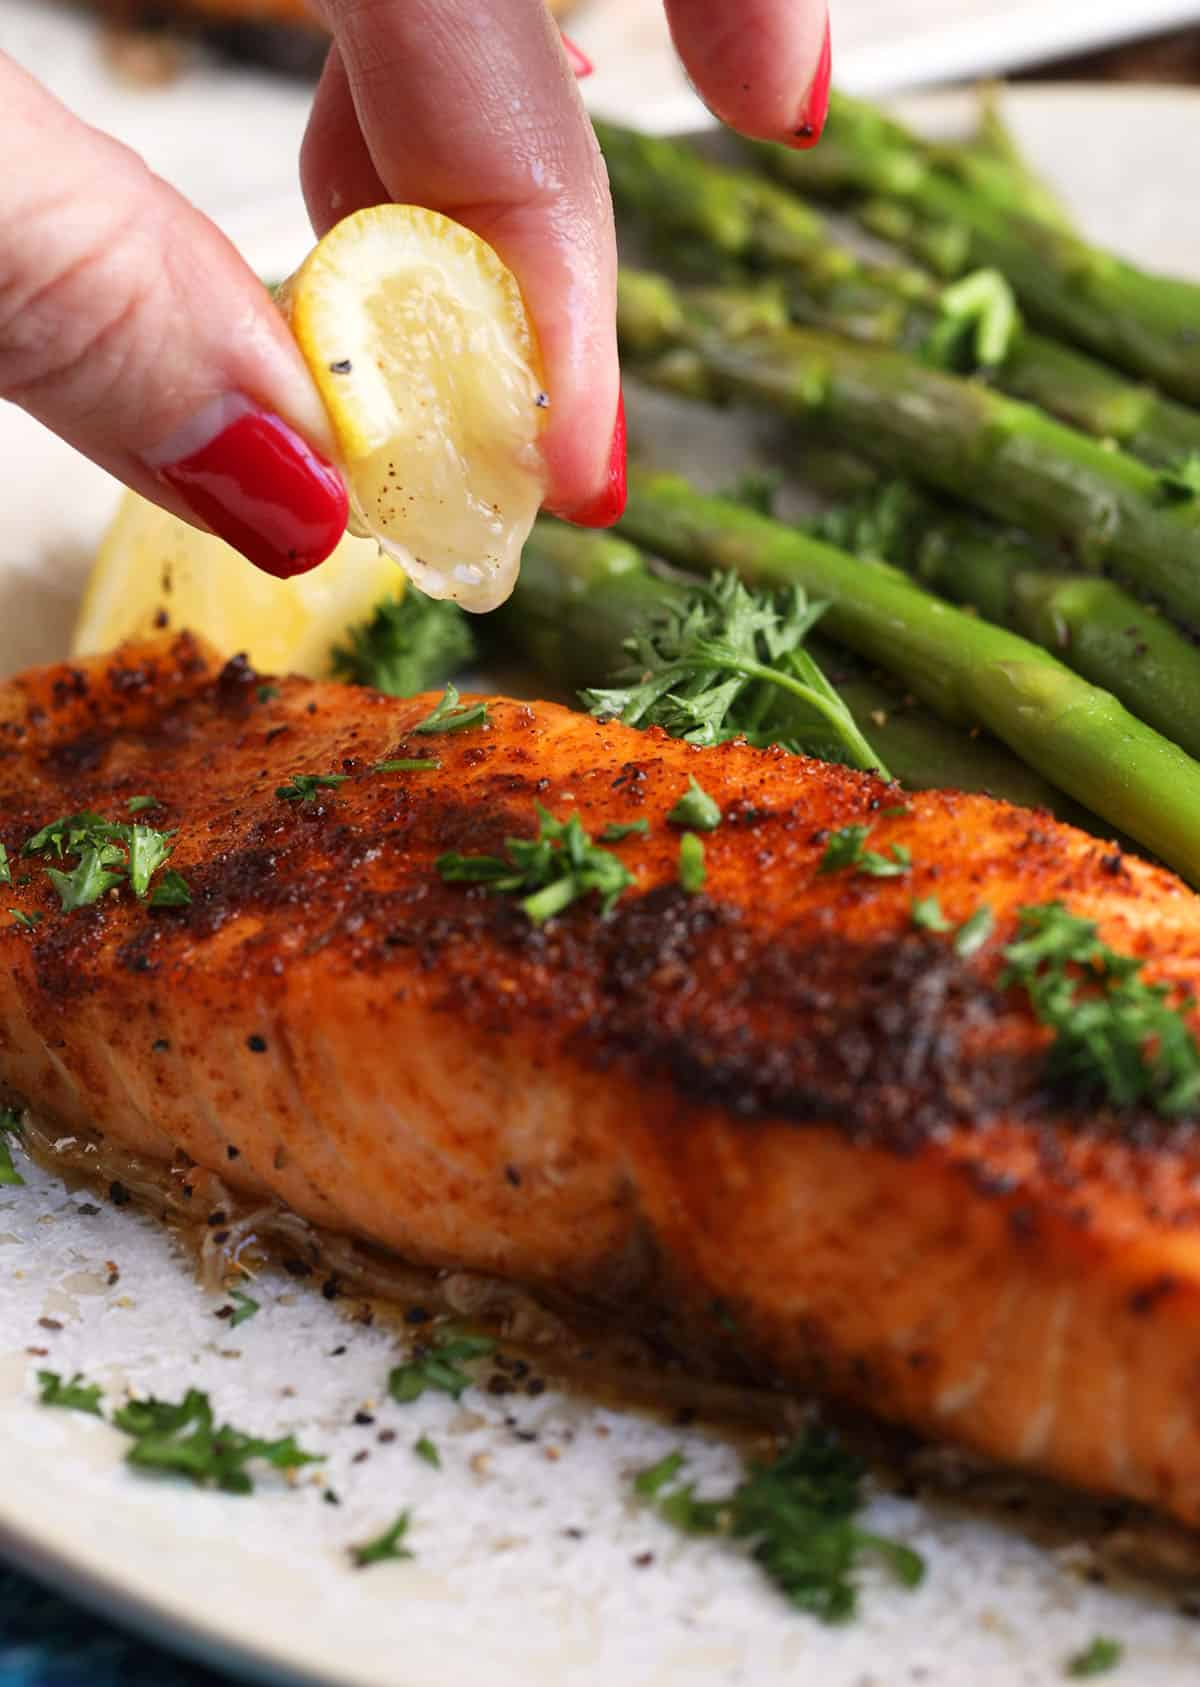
{"points": [[771, 1115]]}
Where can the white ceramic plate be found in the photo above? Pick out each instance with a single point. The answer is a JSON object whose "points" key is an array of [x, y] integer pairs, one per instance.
{"points": [[529, 1552]]}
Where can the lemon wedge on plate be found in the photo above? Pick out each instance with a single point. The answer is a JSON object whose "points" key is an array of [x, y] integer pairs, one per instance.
{"points": [[154, 572], [420, 345]]}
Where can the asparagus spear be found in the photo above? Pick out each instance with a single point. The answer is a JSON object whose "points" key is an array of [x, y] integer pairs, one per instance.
{"points": [[966, 670], [681, 196], [1149, 324], [581, 595], [1001, 455], [1098, 630]]}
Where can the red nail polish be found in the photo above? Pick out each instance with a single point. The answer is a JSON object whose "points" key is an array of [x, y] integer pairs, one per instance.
{"points": [[257, 485], [815, 109], [578, 60], [610, 505]]}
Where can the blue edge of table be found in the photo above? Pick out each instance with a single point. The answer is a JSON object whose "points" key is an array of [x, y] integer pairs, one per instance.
{"points": [[47, 1642]]}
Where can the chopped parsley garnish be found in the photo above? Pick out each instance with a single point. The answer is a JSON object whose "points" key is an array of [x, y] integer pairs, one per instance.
{"points": [[10, 1124], [30, 921], [974, 932], [1114, 1034], [108, 852], [184, 1438], [797, 1517], [846, 848], [267, 693], [303, 787], [408, 764], [5, 869], [438, 1367], [244, 1308], [696, 809], [618, 830], [385, 1546], [87, 882], [725, 661], [425, 1449], [171, 891], [692, 871], [978, 321], [548, 872], [139, 805], [926, 914], [73, 1396], [1097, 1658], [452, 716], [410, 644]]}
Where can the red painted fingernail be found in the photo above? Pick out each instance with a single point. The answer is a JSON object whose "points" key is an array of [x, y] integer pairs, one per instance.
{"points": [[815, 109], [610, 505], [257, 484], [578, 60]]}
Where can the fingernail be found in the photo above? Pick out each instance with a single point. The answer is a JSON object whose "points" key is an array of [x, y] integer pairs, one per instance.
{"points": [[257, 484], [610, 505], [815, 109], [578, 60]]}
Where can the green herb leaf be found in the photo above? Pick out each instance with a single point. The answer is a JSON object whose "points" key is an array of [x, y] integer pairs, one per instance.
{"points": [[73, 834], [696, 809], [267, 693], [139, 805], [549, 872], [182, 1437], [5, 869], [171, 891], [727, 662], [846, 848], [148, 850], [1114, 1034], [410, 644], [303, 787], [1097, 1658], [244, 1308], [926, 914], [29, 921], [73, 1396], [692, 871], [797, 1518], [385, 1546], [982, 310], [10, 1124], [452, 716], [618, 830], [407, 764], [438, 1366], [974, 933], [425, 1449], [87, 883]]}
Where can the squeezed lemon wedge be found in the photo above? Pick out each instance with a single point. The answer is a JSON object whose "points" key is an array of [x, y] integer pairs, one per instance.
{"points": [[154, 573], [420, 345]]}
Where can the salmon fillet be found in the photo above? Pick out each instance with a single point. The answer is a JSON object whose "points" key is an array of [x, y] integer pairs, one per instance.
{"points": [[771, 1118]]}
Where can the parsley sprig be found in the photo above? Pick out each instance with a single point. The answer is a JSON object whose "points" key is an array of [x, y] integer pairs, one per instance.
{"points": [[847, 848], [108, 853], [438, 1366], [303, 787], [1097, 1658], [183, 1437], [10, 1125], [73, 1396], [452, 716], [548, 872], [728, 662], [390, 1544], [1113, 1032], [409, 644], [797, 1517]]}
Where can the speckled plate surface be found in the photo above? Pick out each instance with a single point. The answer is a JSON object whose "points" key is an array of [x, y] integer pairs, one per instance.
{"points": [[533, 1563]]}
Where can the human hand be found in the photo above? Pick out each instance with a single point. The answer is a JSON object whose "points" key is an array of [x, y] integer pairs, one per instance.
{"points": [[132, 328]]}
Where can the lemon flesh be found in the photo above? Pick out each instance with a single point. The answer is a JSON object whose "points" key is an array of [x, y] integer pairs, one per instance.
{"points": [[419, 343], [154, 573]]}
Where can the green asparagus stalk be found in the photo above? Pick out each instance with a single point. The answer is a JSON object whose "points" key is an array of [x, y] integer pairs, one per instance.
{"points": [[1096, 628], [1148, 324], [682, 197], [994, 452], [968, 671], [581, 595]]}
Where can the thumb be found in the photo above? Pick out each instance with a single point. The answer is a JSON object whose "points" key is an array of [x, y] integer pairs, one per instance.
{"points": [[131, 327]]}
